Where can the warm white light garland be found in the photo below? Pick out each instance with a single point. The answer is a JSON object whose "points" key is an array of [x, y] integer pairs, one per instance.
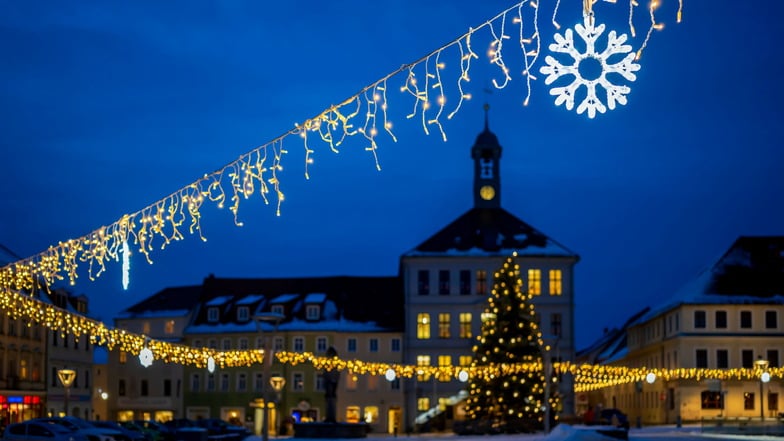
{"points": [[257, 172]]}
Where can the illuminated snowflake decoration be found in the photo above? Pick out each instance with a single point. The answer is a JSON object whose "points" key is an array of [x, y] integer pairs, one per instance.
{"points": [[615, 45], [145, 357]]}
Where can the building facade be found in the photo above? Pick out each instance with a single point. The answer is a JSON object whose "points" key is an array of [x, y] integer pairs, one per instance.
{"points": [[134, 392], [447, 280], [729, 318]]}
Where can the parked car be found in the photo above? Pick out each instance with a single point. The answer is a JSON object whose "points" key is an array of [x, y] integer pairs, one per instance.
{"points": [[83, 427], [133, 435], [40, 431], [158, 431], [216, 426]]}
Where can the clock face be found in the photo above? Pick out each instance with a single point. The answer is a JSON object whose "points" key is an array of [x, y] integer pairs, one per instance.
{"points": [[487, 192]]}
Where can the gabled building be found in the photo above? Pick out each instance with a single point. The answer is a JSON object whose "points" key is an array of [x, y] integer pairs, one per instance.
{"points": [[447, 280], [360, 317], [729, 317], [153, 393]]}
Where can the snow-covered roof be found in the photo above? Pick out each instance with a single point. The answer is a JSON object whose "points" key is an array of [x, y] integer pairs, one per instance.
{"points": [[489, 232], [218, 301], [284, 298], [250, 299], [316, 297], [153, 314]]}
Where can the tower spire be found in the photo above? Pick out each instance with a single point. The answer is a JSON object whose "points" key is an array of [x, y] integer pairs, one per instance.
{"points": [[486, 154]]}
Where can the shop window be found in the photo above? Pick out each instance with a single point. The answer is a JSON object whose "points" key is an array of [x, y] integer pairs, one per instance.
{"points": [[712, 400]]}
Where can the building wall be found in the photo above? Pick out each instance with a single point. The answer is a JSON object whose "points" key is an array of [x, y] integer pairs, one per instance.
{"points": [[454, 303], [679, 338]]}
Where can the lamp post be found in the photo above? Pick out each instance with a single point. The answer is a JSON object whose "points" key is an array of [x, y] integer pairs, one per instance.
{"points": [[274, 318], [67, 377], [762, 365]]}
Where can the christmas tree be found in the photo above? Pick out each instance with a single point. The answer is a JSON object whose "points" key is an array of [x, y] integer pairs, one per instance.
{"points": [[507, 400]]}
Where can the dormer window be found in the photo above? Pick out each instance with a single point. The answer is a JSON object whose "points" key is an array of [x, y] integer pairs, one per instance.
{"points": [[313, 312], [243, 314], [212, 314], [277, 309]]}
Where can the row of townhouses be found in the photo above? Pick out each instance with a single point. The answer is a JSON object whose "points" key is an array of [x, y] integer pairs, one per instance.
{"points": [[429, 314]]}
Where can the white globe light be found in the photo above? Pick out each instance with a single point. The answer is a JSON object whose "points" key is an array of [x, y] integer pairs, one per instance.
{"points": [[390, 374], [650, 378], [765, 377], [211, 365], [462, 376]]}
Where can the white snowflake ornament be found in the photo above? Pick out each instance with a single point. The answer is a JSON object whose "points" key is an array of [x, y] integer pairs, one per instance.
{"points": [[145, 357], [615, 45]]}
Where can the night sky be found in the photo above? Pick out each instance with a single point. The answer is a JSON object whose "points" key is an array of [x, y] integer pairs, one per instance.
{"points": [[109, 107]]}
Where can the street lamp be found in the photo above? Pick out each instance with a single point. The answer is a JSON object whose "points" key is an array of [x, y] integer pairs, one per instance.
{"points": [[274, 318], [762, 365], [67, 377]]}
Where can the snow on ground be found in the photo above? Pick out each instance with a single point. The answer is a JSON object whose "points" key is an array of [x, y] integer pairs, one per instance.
{"points": [[565, 432]]}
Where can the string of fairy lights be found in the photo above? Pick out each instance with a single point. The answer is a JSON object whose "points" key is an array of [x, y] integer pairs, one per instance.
{"points": [[365, 115], [587, 377]]}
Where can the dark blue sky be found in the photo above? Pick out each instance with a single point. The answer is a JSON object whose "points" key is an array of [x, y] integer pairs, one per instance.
{"points": [[108, 108]]}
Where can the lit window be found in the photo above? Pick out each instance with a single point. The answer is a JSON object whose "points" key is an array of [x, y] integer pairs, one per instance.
{"points": [[712, 400], [444, 361], [534, 282], [423, 326], [465, 325], [423, 404], [423, 360], [169, 327], [371, 414], [556, 282], [212, 314], [312, 312], [372, 382], [481, 282], [243, 314], [465, 360], [352, 414], [443, 325], [123, 357]]}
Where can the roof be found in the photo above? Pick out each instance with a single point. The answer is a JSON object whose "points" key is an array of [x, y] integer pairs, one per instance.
{"points": [[490, 231], [353, 299], [611, 345], [751, 271], [174, 302]]}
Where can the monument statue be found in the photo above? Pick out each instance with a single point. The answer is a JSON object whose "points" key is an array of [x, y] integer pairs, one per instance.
{"points": [[331, 378]]}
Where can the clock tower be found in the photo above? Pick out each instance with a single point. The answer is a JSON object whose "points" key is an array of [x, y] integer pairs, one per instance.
{"points": [[486, 153]]}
